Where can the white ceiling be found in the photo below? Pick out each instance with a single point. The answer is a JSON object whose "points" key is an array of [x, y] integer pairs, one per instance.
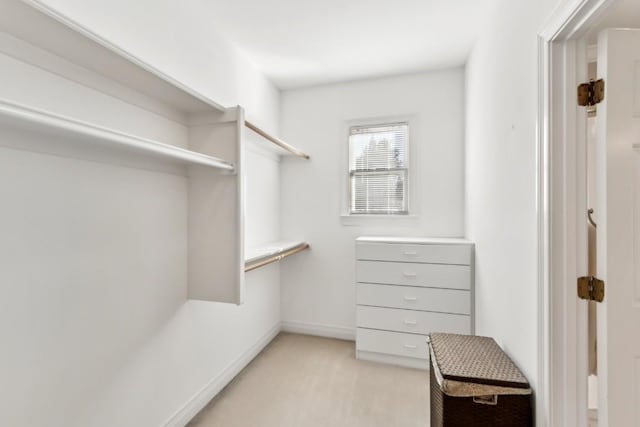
{"points": [[303, 42]]}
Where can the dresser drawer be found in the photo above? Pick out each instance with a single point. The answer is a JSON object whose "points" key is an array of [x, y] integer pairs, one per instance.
{"points": [[403, 273], [396, 343], [416, 322], [414, 298], [435, 254]]}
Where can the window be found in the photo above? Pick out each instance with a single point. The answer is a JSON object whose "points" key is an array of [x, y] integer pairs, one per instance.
{"points": [[379, 169]]}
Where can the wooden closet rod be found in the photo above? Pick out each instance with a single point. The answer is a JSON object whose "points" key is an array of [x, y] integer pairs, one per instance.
{"points": [[280, 143], [261, 262]]}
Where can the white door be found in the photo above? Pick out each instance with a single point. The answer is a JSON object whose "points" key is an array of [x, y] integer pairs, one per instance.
{"points": [[618, 217]]}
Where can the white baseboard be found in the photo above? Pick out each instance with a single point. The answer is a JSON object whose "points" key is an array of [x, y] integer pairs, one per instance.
{"points": [[208, 392], [329, 331]]}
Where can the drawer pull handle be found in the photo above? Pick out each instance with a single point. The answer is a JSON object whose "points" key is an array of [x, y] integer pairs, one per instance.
{"points": [[410, 253], [410, 322], [405, 274], [410, 298], [410, 346]]}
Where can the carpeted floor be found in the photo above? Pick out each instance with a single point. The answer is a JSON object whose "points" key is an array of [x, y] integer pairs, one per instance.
{"points": [[304, 381]]}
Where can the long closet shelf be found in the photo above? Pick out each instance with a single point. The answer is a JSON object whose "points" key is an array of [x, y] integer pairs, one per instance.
{"points": [[273, 252], [38, 24], [25, 117], [277, 141]]}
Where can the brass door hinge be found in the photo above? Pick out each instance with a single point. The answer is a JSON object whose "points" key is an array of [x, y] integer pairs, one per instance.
{"points": [[591, 93], [591, 288]]}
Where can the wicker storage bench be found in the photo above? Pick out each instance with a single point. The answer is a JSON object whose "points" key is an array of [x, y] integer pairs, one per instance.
{"points": [[474, 383]]}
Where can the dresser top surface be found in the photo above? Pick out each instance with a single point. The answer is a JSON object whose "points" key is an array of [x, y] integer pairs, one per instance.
{"points": [[414, 240]]}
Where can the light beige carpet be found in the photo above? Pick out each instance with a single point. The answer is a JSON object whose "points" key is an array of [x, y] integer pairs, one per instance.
{"points": [[304, 381]]}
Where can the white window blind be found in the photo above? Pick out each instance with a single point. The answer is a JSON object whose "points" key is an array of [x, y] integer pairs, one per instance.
{"points": [[378, 169]]}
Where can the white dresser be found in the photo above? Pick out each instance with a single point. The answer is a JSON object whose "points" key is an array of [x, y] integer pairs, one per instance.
{"points": [[407, 288]]}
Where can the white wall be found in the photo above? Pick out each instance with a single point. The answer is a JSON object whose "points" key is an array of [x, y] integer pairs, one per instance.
{"points": [[501, 103], [127, 349], [318, 292]]}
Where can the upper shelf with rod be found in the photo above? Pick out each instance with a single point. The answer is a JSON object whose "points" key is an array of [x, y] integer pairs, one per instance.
{"points": [[277, 141], [65, 81]]}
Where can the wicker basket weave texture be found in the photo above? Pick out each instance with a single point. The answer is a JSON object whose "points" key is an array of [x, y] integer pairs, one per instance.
{"points": [[481, 361], [475, 359], [450, 411]]}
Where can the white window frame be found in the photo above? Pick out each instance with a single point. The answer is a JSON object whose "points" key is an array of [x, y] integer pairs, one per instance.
{"points": [[347, 217]]}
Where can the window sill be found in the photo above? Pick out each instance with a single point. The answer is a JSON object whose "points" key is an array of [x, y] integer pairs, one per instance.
{"points": [[347, 219]]}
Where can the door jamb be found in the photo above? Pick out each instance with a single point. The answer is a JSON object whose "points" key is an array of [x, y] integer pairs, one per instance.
{"points": [[561, 399]]}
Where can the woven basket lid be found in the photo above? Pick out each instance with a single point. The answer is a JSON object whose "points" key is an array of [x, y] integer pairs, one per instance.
{"points": [[476, 360]]}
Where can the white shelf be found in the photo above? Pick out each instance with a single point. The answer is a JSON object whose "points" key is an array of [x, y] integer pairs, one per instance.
{"points": [[13, 115], [37, 24], [272, 252]]}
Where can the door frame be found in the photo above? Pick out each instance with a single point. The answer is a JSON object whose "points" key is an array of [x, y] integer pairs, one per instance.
{"points": [[561, 208]]}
